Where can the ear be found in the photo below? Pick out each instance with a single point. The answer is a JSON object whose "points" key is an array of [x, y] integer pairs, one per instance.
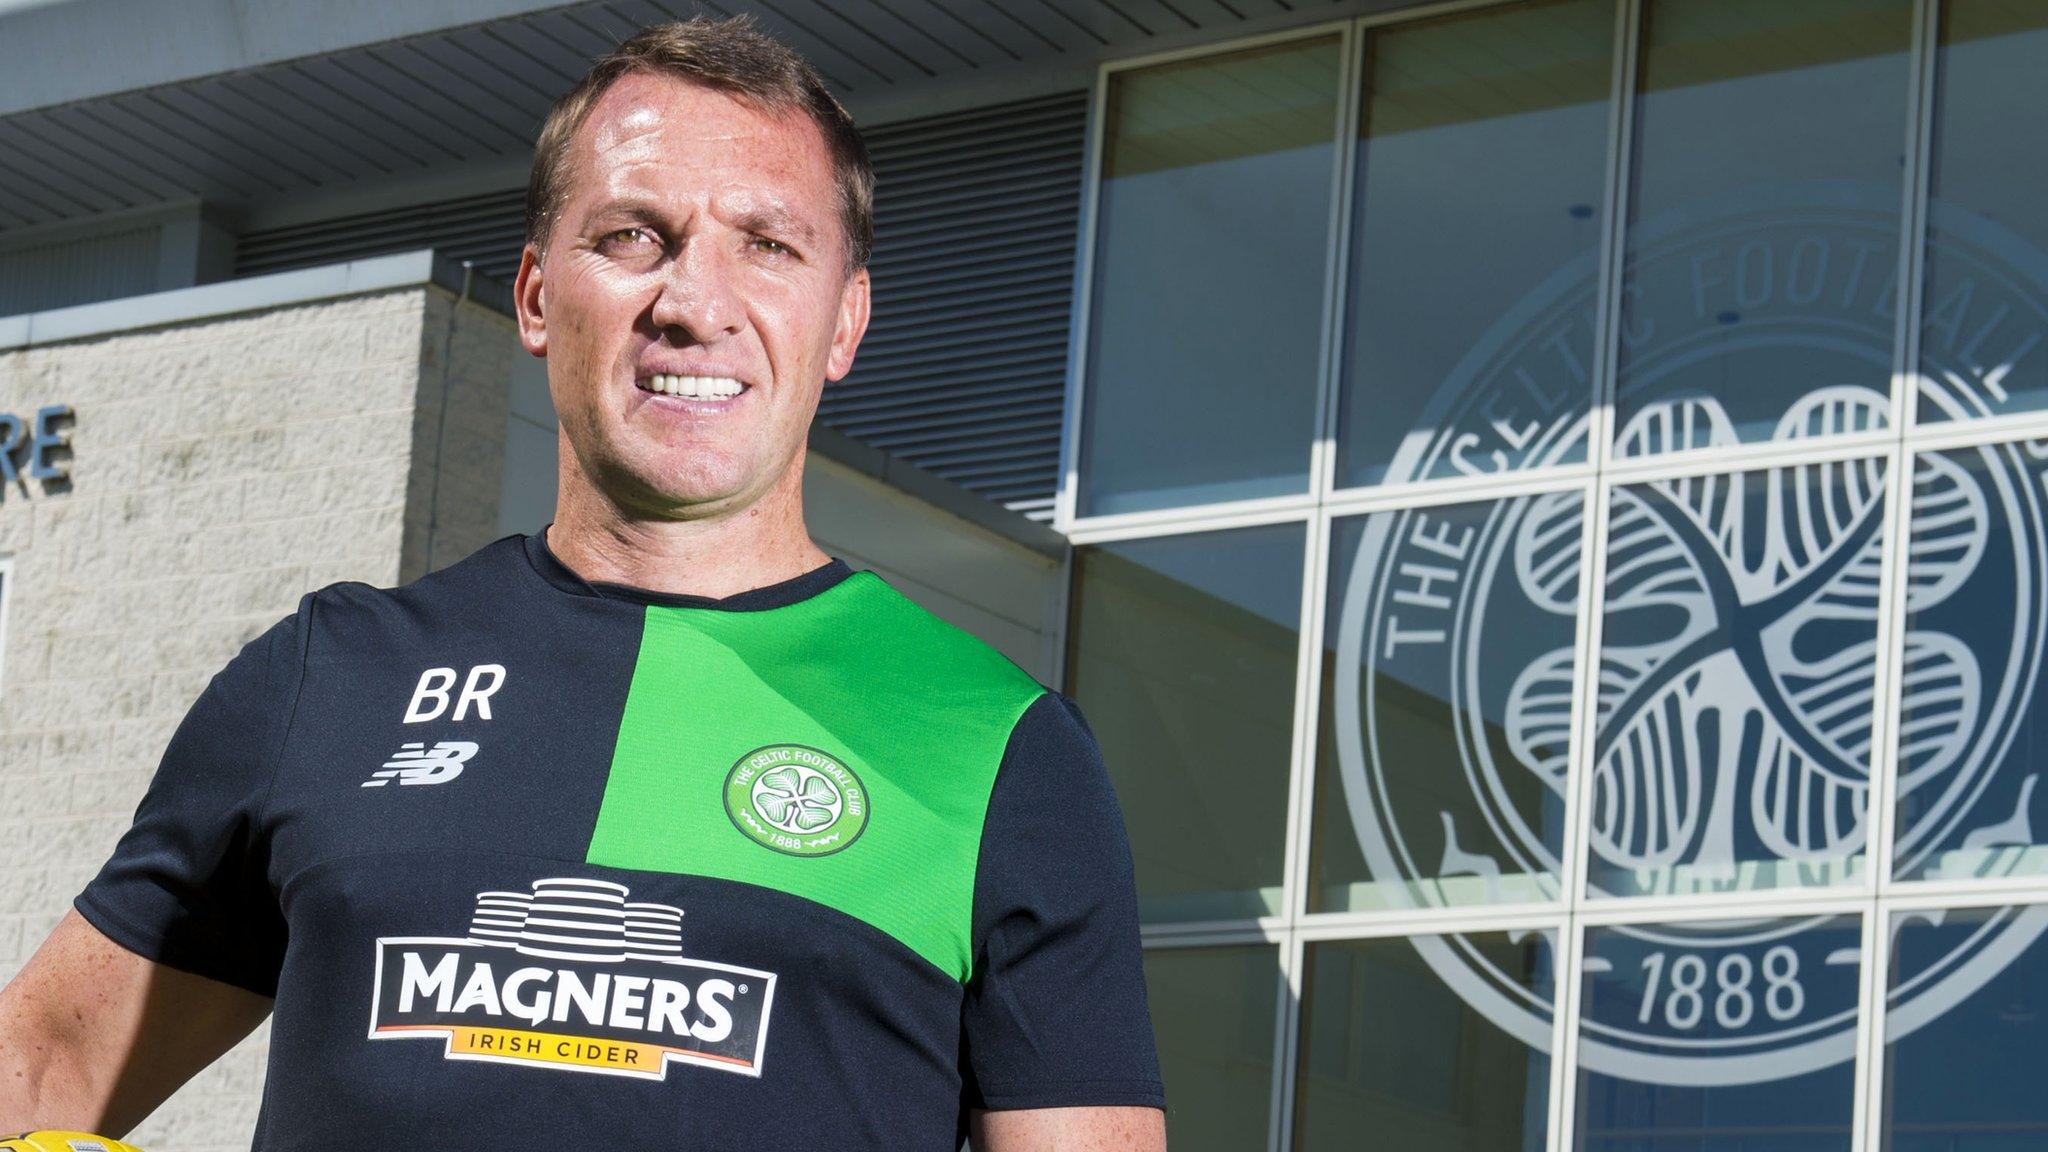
{"points": [[852, 325], [529, 301]]}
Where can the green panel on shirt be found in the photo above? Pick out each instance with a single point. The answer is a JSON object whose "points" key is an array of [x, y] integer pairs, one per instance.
{"points": [[856, 679]]}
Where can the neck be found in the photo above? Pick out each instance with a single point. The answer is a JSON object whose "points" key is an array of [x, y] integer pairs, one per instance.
{"points": [[717, 555]]}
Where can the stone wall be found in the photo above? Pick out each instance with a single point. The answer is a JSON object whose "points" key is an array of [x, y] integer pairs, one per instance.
{"points": [[218, 470]]}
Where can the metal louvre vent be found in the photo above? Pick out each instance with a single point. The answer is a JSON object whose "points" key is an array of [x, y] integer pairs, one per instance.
{"points": [[963, 369], [79, 270], [489, 229]]}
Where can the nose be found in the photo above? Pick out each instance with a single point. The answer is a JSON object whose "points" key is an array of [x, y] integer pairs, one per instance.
{"points": [[696, 301]]}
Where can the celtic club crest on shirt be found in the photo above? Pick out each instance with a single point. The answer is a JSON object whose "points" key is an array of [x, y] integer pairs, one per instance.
{"points": [[796, 800], [1734, 695]]}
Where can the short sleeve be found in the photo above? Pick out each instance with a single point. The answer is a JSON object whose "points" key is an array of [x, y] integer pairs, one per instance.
{"points": [[187, 885], [1055, 1012]]}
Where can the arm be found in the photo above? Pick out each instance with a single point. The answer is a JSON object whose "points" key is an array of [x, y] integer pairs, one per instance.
{"points": [[94, 1037], [1057, 1038], [1069, 1130]]}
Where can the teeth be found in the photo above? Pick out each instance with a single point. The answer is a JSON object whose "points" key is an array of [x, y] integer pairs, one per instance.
{"points": [[696, 387]]}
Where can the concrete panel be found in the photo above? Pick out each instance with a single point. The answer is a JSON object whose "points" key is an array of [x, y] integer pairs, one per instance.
{"points": [[1000, 590]]}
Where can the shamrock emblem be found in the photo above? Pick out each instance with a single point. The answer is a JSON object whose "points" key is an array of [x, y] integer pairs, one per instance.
{"points": [[1736, 688], [796, 799]]}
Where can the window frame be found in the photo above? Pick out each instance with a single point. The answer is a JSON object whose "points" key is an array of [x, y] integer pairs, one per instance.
{"points": [[1878, 897]]}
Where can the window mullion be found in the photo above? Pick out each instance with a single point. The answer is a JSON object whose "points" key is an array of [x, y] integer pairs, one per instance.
{"points": [[1570, 945], [1882, 815]]}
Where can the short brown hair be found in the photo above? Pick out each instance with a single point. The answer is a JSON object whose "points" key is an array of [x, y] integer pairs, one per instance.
{"points": [[730, 56]]}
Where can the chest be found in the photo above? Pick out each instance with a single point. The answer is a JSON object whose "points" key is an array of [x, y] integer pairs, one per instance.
{"points": [[679, 759]]}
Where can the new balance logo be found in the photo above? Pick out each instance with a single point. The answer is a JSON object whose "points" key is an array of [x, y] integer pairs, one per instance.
{"points": [[416, 763]]}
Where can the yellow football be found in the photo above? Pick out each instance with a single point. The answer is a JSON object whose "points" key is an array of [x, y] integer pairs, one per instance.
{"points": [[49, 1140]]}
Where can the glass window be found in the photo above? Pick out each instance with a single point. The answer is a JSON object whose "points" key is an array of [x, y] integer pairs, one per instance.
{"points": [[1737, 682], [1389, 1048], [1446, 716], [1964, 1042], [1986, 277], [1213, 237], [1183, 656], [1973, 709], [1733, 1035], [1763, 246], [1214, 1017], [1715, 696], [1482, 144]]}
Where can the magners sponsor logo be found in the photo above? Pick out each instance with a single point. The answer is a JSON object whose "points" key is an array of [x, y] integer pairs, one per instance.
{"points": [[572, 974]]}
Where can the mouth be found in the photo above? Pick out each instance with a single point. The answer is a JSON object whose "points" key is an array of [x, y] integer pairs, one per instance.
{"points": [[711, 389]]}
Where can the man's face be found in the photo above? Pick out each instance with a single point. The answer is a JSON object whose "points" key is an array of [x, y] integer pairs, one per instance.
{"points": [[693, 298]]}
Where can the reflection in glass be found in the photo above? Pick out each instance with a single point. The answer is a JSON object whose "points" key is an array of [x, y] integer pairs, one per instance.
{"points": [[1737, 682], [1965, 1042], [1973, 724], [1735, 1035], [1986, 283], [1214, 1016], [1182, 656], [1388, 1049], [1213, 240], [1762, 243], [1447, 689], [1482, 146]]}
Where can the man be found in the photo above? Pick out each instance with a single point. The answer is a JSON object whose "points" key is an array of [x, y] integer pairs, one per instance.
{"points": [[660, 827]]}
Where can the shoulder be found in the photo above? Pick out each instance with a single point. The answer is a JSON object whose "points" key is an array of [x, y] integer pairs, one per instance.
{"points": [[1052, 758], [1053, 728], [470, 592], [263, 679]]}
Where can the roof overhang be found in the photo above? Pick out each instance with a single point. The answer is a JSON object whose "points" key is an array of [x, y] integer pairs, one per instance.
{"points": [[114, 106], [57, 53]]}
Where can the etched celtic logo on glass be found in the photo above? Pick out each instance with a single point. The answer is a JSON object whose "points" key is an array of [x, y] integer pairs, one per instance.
{"points": [[1734, 696], [1736, 685]]}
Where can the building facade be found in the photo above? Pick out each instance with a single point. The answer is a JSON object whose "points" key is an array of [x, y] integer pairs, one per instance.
{"points": [[1542, 501]]}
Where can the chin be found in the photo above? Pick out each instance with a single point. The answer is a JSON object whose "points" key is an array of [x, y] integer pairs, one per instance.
{"points": [[697, 482], [657, 476]]}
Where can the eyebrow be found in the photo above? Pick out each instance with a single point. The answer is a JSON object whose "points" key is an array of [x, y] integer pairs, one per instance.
{"points": [[764, 219], [628, 206], [776, 220]]}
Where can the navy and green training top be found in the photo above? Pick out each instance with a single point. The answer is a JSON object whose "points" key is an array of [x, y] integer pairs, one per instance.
{"points": [[522, 855]]}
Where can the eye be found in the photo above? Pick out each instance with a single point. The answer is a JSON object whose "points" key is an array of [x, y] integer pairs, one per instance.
{"points": [[773, 247], [626, 237]]}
